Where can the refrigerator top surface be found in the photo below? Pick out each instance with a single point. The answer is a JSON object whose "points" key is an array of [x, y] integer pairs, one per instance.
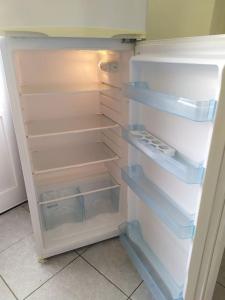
{"points": [[74, 18]]}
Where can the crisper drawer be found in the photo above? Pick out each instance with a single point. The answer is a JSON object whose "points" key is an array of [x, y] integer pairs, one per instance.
{"points": [[101, 203], [57, 213], [79, 201]]}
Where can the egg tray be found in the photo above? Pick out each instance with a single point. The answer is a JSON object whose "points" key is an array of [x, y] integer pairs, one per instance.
{"points": [[147, 139]]}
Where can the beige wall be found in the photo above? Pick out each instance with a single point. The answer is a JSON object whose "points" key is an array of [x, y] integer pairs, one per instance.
{"points": [[218, 19], [179, 18]]}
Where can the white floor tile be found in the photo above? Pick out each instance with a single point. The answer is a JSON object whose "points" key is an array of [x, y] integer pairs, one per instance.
{"points": [[78, 281], [110, 258], [5, 293], [14, 225], [20, 268], [142, 293], [219, 293]]}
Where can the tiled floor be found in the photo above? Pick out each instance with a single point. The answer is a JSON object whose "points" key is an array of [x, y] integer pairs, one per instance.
{"points": [[99, 272]]}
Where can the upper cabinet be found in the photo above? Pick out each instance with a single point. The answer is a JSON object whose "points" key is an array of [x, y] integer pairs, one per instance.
{"points": [[74, 18]]}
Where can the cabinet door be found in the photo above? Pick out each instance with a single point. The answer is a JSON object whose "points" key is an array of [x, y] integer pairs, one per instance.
{"points": [[12, 191]]}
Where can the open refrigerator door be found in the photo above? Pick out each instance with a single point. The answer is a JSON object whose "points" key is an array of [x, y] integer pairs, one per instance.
{"points": [[175, 153]]}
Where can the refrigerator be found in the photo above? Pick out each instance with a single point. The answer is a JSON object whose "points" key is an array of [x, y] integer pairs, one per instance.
{"points": [[124, 138]]}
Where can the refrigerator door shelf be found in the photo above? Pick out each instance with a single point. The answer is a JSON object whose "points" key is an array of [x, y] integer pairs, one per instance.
{"points": [[179, 222], [195, 110], [180, 166], [158, 280]]}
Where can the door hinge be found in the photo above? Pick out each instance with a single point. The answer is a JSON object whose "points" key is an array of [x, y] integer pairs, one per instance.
{"points": [[129, 41]]}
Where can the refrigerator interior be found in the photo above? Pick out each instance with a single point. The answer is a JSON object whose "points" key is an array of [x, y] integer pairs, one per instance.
{"points": [[73, 109]]}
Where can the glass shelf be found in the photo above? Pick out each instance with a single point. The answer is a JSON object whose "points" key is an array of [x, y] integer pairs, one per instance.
{"points": [[42, 128], [67, 157], [164, 207], [158, 280], [29, 90], [180, 166], [195, 110], [78, 201]]}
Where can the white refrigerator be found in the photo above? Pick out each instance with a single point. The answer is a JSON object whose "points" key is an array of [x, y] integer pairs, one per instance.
{"points": [[125, 138]]}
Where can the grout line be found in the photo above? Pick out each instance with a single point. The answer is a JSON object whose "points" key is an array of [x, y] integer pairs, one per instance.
{"points": [[51, 277], [80, 254], [87, 248], [220, 284], [23, 238], [104, 276], [8, 287], [135, 289]]}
